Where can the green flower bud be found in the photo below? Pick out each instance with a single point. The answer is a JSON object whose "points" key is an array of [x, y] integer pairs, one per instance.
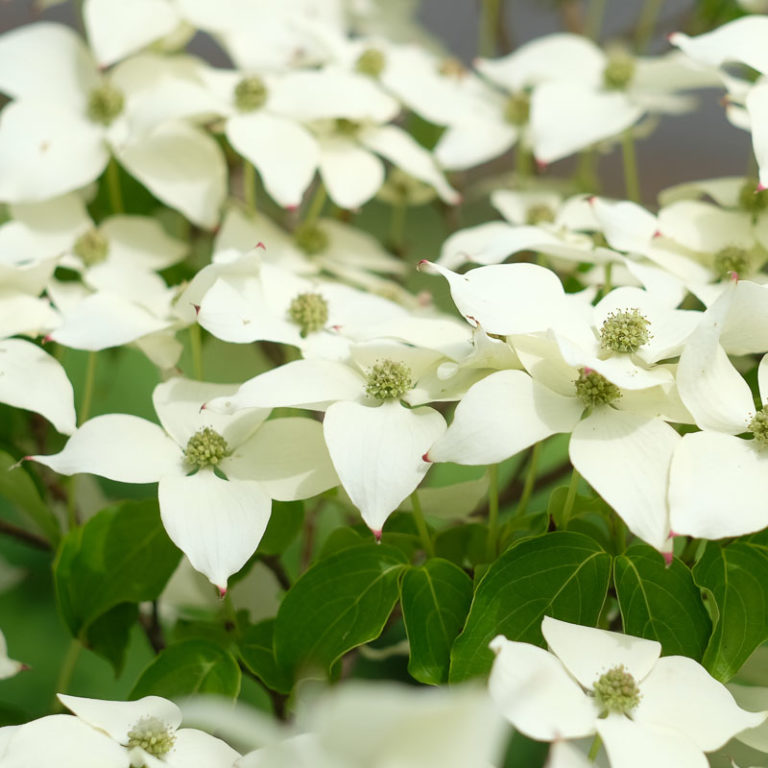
{"points": [[152, 735], [753, 199], [759, 427], [371, 62], [389, 380], [616, 692], [92, 247], [105, 103], [310, 312], [517, 110], [732, 259], [250, 94], [619, 71], [205, 448], [311, 238], [594, 389], [347, 127], [624, 331], [539, 213]]}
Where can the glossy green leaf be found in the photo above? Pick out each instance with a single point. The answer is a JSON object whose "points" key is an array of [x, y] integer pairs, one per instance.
{"points": [[192, 666], [284, 524], [735, 578], [661, 602], [435, 602], [341, 602], [561, 574], [258, 654]]}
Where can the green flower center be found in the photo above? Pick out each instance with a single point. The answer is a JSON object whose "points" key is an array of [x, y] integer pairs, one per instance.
{"points": [[250, 94], [347, 127], [309, 311], [206, 448], [92, 247], [452, 67], [619, 71], [311, 238], [389, 380], [751, 199], [518, 108], [152, 735], [616, 692], [759, 427], [538, 213], [624, 331], [594, 389], [371, 62], [105, 103], [732, 259]]}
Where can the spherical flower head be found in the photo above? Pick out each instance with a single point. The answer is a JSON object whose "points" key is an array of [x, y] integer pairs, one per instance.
{"points": [[389, 380], [371, 62], [250, 94], [594, 389], [309, 311], [759, 427], [538, 213], [616, 692], [206, 448], [517, 110], [624, 331], [105, 103], [311, 238], [92, 247], [751, 198], [452, 67], [347, 127], [152, 735], [619, 71], [732, 259]]}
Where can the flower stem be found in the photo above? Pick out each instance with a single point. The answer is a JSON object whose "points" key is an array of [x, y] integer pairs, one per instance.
{"points": [[66, 671], [418, 517], [594, 748], [595, 16], [530, 480], [196, 344], [113, 184], [90, 376], [493, 510], [607, 272], [646, 23], [397, 227], [523, 161], [249, 186], [571, 497], [490, 10], [318, 201], [631, 180]]}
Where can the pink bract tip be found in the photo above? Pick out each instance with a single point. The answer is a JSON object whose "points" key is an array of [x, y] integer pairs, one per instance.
{"points": [[222, 592], [425, 457], [540, 164], [734, 277], [47, 339], [291, 208], [197, 308], [421, 264], [202, 407], [24, 667], [260, 245], [591, 199], [336, 328], [657, 233], [377, 536], [668, 557], [588, 370], [760, 188]]}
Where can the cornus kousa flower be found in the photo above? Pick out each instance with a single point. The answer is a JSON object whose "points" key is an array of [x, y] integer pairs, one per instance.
{"points": [[647, 710], [217, 474], [8, 667]]}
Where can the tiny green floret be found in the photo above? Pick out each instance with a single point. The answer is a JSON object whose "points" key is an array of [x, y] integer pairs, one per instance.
{"points": [[619, 71], [152, 735], [311, 238], [92, 247], [105, 103], [624, 331], [594, 389], [759, 427], [616, 692], [539, 213], [389, 380], [752, 198], [371, 62], [347, 127], [732, 259], [517, 110], [310, 312], [250, 94], [206, 448]]}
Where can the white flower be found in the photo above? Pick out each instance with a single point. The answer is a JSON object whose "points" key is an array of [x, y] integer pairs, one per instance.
{"points": [[647, 710], [8, 667]]}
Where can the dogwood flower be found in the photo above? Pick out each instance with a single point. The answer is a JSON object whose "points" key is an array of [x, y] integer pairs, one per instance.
{"points": [[647, 710], [216, 521], [8, 667]]}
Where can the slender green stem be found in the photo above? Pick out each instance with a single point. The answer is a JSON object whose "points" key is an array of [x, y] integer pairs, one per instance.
{"points": [[688, 555], [249, 186], [90, 377], [421, 525], [72, 518], [523, 160], [595, 15], [607, 279], [397, 227], [490, 10], [631, 180], [571, 497], [646, 23], [66, 671], [530, 480], [113, 184], [586, 174], [318, 201], [594, 748], [493, 511], [196, 344]]}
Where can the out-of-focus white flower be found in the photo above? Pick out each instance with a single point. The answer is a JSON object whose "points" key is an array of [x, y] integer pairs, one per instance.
{"points": [[647, 710], [8, 667]]}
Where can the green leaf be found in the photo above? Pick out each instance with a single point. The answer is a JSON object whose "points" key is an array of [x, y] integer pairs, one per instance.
{"points": [[258, 654], [341, 602], [284, 524], [560, 574], [464, 545], [17, 486], [193, 666], [435, 601], [661, 603], [735, 578], [109, 634], [121, 555]]}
